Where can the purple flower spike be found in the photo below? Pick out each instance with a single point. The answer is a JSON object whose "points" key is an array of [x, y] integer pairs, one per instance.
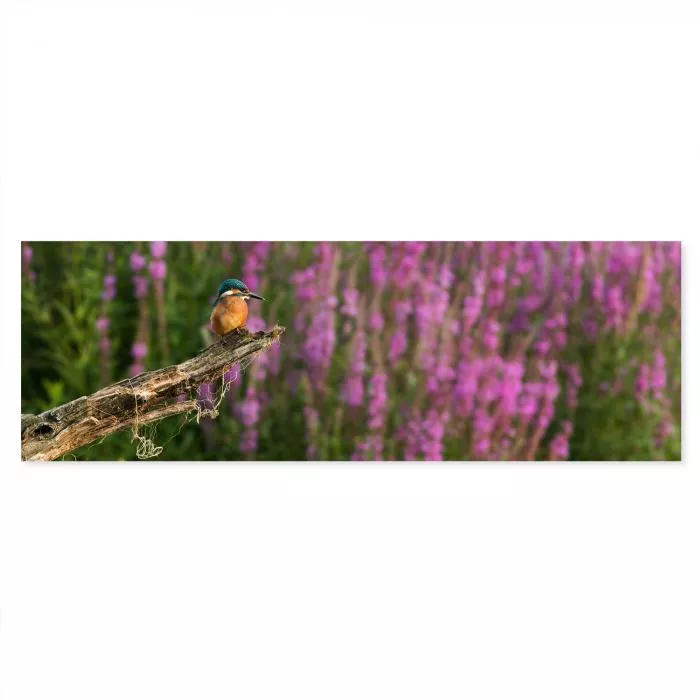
{"points": [[398, 345], [137, 261], [158, 269], [249, 441], [109, 290], [158, 248], [140, 286], [377, 400], [250, 409], [376, 321], [657, 375], [350, 299], [432, 434], [377, 260], [559, 447], [353, 391], [642, 383], [139, 350]]}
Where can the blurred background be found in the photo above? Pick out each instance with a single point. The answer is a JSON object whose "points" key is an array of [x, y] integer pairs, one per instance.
{"points": [[397, 350]]}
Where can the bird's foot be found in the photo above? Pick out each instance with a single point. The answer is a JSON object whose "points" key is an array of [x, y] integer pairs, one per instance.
{"points": [[236, 332]]}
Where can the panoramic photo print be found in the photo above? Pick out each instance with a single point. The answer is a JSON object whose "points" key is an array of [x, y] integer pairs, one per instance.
{"points": [[398, 351]]}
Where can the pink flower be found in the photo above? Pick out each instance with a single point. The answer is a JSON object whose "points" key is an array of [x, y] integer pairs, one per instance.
{"points": [[642, 382], [140, 286], [350, 299], [102, 324], [376, 321], [559, 447], [110, 288], [137, 261], [657, 374], [139, 350], [666, 429], [398, 344], [157, 268], [158, 248]]}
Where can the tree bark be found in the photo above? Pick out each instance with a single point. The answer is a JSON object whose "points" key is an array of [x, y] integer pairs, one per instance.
{"points": [[142, 399]]}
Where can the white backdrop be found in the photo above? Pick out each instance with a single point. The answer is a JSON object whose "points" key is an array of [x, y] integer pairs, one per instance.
{"points": [[191, 121]]}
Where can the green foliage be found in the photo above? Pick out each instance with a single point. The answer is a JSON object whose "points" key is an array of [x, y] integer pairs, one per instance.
{"points": [[609, 413]]}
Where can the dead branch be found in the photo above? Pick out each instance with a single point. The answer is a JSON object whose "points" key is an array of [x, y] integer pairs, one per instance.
{"points": [[132, 402]]}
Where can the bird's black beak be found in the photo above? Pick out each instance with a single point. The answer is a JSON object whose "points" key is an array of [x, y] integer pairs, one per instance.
{"points": [[255, 296]]}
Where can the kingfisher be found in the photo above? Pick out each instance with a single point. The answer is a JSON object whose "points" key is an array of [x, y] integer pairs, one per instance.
{"points": [[230, 311]]}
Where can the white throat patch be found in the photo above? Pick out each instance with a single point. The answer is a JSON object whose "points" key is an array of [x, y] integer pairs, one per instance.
{"points": [[230, 292]]}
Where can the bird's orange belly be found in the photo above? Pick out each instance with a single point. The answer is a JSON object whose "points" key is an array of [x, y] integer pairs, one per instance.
{"points": [[228, 315]]}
